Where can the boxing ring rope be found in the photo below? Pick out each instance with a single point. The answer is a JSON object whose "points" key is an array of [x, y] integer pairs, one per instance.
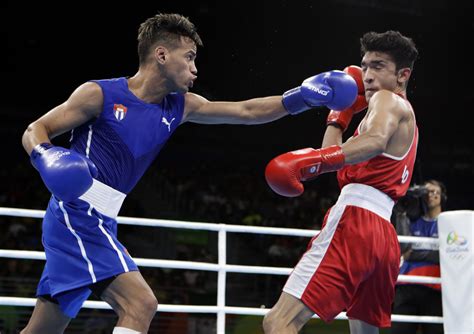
{"points": [[222, 268]]}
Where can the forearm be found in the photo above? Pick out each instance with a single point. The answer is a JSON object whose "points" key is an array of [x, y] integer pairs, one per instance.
{"points": [[363, 147], [332, 136], [263, 110], [35, 134], [254, 111]]}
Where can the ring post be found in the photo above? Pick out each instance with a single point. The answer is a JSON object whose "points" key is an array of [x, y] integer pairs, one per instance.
{"points": [[221, 278], [456, 239]]}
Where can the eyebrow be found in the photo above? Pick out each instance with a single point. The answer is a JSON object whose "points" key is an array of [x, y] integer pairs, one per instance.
{"points": [[373, 62]]}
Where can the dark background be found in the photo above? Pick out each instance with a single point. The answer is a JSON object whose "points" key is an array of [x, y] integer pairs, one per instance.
{"points": [[216, 173], [250, 49]]}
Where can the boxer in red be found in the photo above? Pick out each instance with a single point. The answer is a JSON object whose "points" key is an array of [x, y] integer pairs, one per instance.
{"points": [[352, 265]]}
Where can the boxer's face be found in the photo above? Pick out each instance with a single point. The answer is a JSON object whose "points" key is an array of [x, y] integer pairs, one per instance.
{"points": [[180, 68], [379, 71]]}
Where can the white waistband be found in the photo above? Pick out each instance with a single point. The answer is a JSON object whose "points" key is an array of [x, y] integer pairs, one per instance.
{"points": [[104, 199], [367, 197]]}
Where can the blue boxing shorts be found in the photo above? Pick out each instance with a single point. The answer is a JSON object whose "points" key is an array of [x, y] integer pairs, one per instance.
{"points": [[81, 249]]}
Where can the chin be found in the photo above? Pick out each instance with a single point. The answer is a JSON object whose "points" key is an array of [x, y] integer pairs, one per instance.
{"points": [[182, 90]]}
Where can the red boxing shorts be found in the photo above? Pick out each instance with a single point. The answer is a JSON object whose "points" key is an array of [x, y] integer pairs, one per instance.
{"points": [[352, 265]]}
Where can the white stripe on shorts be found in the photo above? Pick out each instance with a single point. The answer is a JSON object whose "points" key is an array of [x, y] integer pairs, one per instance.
{"points": [[119, 253], [309, 263], [79, 241], [354, 194], [111, 241]]}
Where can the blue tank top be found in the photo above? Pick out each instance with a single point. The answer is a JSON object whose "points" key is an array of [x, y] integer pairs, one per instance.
{"points": [[128, 135]]}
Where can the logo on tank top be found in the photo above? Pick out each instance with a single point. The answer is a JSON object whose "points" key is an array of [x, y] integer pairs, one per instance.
{"points": [[164, 120], [120, 111], [405, 174]]}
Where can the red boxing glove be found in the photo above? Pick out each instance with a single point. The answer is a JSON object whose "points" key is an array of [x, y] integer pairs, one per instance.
{"points": [[285, 172], [343, 118]]}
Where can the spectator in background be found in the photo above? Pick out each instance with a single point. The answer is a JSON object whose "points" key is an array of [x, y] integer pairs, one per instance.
{"points": [[419, 259]]}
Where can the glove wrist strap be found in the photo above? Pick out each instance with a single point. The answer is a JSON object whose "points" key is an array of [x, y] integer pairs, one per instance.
{"points": [[40, 149], [332, 158], [340, 119], [293, 101], [329, 159]]}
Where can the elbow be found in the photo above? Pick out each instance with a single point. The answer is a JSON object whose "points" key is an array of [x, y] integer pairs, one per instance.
{"points": [[33, 133], [28, 131], [381, 146], [26, 138]]}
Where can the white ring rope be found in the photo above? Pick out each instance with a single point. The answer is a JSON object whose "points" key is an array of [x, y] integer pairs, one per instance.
{"points": [[230, 268], [221, 267]]}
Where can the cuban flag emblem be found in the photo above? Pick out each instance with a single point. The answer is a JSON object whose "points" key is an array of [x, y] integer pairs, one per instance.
{"points": [[120, 111]]}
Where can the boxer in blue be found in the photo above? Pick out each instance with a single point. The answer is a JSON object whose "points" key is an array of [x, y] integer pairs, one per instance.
{"points": [[118, 127]]}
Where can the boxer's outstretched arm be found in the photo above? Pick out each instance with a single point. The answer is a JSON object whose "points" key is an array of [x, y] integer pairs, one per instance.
{"points": [[334, 89], [254, 111]]}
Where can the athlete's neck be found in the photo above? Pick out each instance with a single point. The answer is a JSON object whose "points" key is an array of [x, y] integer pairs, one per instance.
{"points": [[147, 86], [401, 91]]}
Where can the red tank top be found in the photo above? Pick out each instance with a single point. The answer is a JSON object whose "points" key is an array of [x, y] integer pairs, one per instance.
{"points": [[389, 174]]}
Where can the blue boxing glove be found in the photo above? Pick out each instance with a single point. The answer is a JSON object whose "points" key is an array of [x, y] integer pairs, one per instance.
{"points": [[334, 89], [67, 174]]}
